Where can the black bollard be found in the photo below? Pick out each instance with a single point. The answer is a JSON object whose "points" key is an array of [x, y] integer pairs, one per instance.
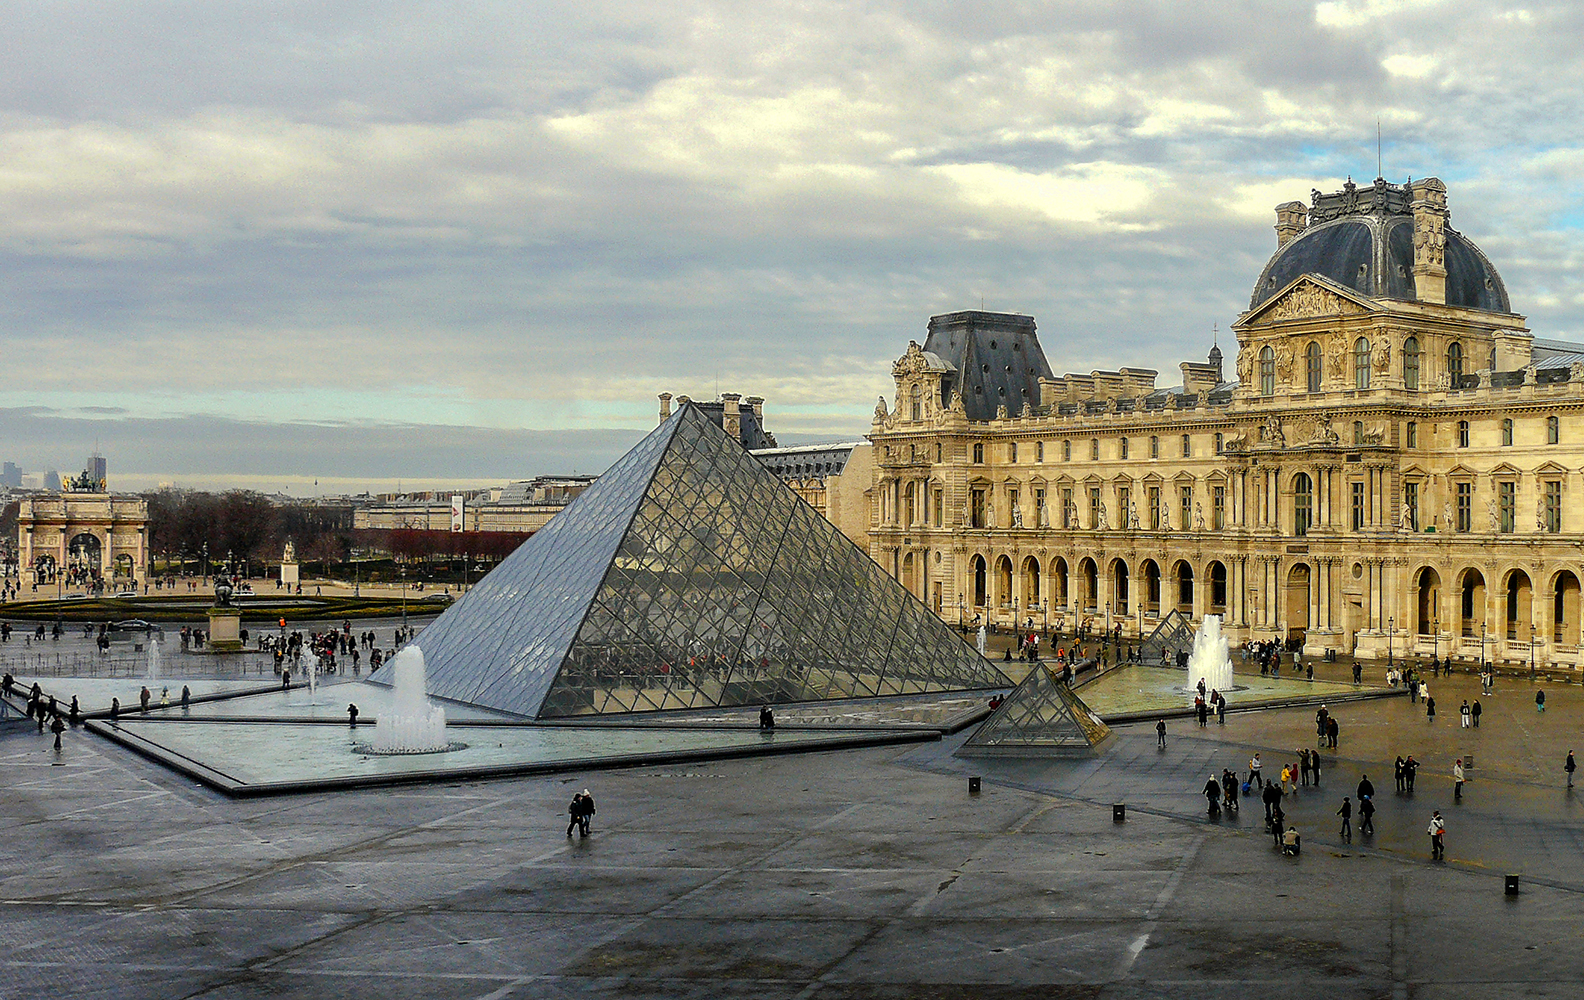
{"points": [[1118, 813], [973, 785], [1512, 885]]}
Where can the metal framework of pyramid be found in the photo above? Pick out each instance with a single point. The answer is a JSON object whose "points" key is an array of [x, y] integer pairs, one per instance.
{"points": [[1042, 717], [688, 576], [1175, 632]]}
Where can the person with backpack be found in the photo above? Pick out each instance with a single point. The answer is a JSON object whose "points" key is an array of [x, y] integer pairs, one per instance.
{"points": [[1437, 832]]}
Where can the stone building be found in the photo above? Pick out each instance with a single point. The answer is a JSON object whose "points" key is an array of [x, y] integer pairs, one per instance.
{"points": [[1387, 470], [83, 535]]}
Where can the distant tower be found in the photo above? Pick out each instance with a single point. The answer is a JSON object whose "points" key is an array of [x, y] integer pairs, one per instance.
{"points": [[52, 480], [96, 470]]}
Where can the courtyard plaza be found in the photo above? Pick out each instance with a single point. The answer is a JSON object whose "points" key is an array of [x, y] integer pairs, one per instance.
{"points": [[860, 873]]}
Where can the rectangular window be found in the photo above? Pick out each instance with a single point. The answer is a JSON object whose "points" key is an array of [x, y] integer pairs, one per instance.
{"points": [[1553, 430], [1012, 452], [1122, 448], [1553, 506], [1507, 506], [940, 509], [1012, 505], [978, 454], [1465, 506], [1094, 507], [1066, 451], [1068, 511], [1039, 451], [1218, 508], [1187, 446], [1040, 517], [1154, 508], [977, 509], [1186, 498], [1154, 446], [1220, 444], [1094, 449], [1463, 434], [1358, 506], [1413, 434], [1411, 504], [1123, 496]]}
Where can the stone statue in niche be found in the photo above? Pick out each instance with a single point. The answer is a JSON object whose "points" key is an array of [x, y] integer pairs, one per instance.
{"points": [[1017, 515], [1102, 522], [1490, 510], [1199, 524]]}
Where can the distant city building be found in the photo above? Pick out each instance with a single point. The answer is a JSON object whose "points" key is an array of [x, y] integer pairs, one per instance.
{"points": [[52, 480], [521, 507], [11, 475], [96, 468]]}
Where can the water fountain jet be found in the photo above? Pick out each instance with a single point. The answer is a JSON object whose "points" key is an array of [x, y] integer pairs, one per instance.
{"points": [[1210, 660], [411, 724]]}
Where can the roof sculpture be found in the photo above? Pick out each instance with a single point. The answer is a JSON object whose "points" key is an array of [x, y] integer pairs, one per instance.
{"points": [[689, 576]]}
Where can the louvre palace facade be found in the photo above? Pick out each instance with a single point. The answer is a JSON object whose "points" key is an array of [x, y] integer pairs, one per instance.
{"points": [[1392, 467]]}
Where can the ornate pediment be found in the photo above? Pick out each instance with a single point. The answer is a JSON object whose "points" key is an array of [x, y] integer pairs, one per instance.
{"points": [[917, 361], [1310, 297]]}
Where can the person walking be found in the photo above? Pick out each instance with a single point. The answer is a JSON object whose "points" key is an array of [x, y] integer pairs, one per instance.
{"points": [[587, 814], [1570, 765], [1463, 714], [1254, 773], [1430, 709], [575, 813], [352, 714], [1366, 788], [57, 727], [1410, 771], [1539, 701], [1366, 809], [1303, 766], [1457, 780], [1346, 812], [1212, 792], [1331, 732], [1437, 832], [1314, 767], [1474, 712], [1160, 734]]}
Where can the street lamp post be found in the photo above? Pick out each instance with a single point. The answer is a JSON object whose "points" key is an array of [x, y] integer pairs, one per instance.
{"points": [[1390, 622], [1435, 640], [1531, 647], [1482, 647], [404, 597]]}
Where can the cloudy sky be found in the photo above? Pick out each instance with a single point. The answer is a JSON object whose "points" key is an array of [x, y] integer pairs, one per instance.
{"points": [[260, 244]]}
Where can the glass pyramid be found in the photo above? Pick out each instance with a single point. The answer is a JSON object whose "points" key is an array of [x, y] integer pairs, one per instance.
{"points": [[689, 576], [1175, 632], [1041, 717]]}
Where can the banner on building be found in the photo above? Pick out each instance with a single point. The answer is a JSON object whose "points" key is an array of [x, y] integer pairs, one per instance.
{"points": [[458, 510]]}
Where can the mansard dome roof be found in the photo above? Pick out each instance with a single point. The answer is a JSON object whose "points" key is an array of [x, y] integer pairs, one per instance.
{"points": [[1364, 238]]}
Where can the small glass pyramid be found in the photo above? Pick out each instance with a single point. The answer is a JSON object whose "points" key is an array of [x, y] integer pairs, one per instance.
{"points": [[689, 576], [1175, 632], [1041, 717]]}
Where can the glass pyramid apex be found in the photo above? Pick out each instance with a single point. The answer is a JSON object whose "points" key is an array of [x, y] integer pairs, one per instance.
{"points": [[1041, 717], [1175, 632], [689, 576]]}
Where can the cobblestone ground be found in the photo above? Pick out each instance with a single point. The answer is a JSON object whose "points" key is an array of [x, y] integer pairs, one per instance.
{"points": [[863, 874]]}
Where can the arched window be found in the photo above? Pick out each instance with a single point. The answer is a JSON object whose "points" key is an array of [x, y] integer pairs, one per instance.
{"points": [[1312, 365], [1506, 432], [918, 402], [1361, 363], [1410, 358], [1455, 363], [1303, 503], [1553, 431], [1267, 374]]}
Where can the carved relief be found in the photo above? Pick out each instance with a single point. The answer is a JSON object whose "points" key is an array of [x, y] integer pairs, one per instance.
{"points": [[1245, 365], [1382, 357], [1308, 300], [1284, 366], [1336, 356]]}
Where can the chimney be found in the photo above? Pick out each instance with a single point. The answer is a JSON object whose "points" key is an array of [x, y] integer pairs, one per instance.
{"points": [[731, 416], [1291, 218], [1429, 222], [665, 407], [756, 403]]}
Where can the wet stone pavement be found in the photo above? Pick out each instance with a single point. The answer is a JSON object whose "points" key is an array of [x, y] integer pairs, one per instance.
{"points": [[857, 874]]}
